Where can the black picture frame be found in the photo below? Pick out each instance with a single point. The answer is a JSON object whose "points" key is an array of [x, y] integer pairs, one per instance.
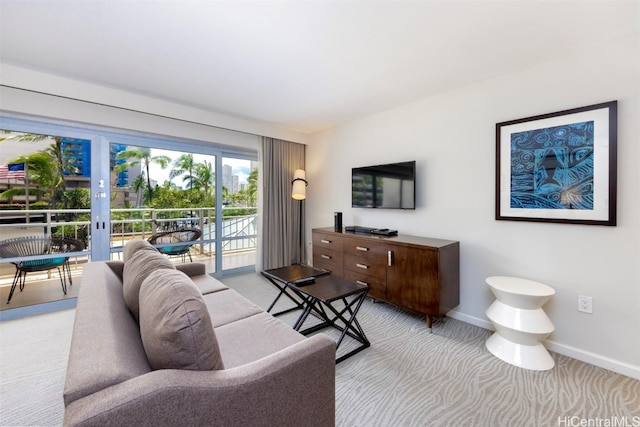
{"points": [[559, 167]]}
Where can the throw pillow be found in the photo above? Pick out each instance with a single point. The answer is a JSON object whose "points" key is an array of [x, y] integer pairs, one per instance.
{"points": [[175, 326], [133, 246], [140, 265]]}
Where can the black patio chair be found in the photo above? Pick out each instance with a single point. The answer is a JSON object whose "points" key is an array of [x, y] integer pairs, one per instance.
{"points": [[166, 241], [39, 245]]}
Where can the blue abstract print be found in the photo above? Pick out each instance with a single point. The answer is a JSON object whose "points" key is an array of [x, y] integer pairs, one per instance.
{"points": [[552, 168]]}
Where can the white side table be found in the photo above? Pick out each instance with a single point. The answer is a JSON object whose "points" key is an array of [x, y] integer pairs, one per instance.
{"points": [[520, 322]]}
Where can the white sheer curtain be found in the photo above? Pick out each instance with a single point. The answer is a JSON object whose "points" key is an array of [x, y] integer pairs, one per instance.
{"points": [[283, 219]]}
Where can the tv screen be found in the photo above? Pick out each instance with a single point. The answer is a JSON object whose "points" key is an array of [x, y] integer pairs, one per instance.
{"points": [[389, 186]]}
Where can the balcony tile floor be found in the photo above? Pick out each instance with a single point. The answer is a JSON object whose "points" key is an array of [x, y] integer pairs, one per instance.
{"points": [[43, 287]]}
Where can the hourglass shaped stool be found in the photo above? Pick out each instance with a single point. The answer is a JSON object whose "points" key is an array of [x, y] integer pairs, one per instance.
{"points": [[520, 322]]}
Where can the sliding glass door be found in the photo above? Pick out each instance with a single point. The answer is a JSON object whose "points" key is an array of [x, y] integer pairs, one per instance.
{"points": [[103, 187], [45, 212], [173, 196], [239, 224]]}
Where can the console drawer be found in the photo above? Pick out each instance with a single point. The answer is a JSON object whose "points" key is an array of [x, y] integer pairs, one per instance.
{"points": [[327, 241], [377, 286], [327, 259], [367, 266], [368, 248]]}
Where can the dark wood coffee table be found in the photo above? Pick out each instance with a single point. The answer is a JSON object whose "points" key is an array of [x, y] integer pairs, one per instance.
{"points": [[322, 299], [283, 276]]}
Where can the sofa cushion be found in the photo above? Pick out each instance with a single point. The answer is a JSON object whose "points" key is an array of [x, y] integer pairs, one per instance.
{"points": [[137, 267], [133, 246], [175, 325], [228, 306], [197, 271], [208, 284], [252, 338]]}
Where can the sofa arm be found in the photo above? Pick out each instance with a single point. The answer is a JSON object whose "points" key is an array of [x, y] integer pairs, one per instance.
{"points": [[192, 268], [117, 267], [295, 386]]}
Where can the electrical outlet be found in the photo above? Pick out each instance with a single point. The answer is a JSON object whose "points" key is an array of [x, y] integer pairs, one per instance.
{"points": [[585, 304]]}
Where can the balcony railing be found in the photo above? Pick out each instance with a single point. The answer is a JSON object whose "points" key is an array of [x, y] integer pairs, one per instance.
{"points": [[239, 232]]}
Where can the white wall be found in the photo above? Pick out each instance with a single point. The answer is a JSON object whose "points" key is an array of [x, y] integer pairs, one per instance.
{"points": [[452, 138]]}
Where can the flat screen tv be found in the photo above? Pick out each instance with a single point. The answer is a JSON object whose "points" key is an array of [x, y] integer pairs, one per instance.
{"points": [[388, 186]]}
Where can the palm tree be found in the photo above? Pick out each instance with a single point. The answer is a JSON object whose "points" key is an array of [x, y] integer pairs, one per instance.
{"points": [[249, 194], [138, 185], [28, 137], [183, 165], [226, 195], [43, 171], [142, 155], [64, 163], [252, 188], [46, 167], [204, 177]]}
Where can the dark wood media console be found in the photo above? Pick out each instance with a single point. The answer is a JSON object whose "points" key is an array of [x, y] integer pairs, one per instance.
{"points": [[416, 273]]}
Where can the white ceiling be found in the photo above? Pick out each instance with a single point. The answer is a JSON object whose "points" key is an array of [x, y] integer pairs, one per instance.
{"points": [[300, 65]]}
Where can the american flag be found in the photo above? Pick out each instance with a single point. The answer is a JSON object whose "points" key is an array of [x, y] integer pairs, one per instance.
{"points": [[12, 171]]}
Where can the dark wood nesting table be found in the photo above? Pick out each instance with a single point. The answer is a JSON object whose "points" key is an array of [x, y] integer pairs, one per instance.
{"points": [[333, 300], [282, 277]]}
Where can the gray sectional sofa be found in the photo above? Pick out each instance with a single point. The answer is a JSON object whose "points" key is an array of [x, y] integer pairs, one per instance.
{"points": [[160, 344]]}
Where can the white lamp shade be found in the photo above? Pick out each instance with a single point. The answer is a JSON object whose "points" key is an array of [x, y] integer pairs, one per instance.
{"points": [[299, 191]]}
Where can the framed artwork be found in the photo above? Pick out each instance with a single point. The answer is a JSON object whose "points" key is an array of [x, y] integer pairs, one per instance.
{"points": [[558, 167]]}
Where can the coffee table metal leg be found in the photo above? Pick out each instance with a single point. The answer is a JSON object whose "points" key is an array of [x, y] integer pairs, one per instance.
{"points": [[351, 325], [354, 332], [282, 290], [308, 306], [312, 306]]}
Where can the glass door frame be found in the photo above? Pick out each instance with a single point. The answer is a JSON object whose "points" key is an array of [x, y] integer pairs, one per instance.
{"points": [[101, 139], [51, 127], [188, 146]]}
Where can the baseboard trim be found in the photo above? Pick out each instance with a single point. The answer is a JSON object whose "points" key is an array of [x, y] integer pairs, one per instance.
{"points": [[483, 323], [594, 359], [589, 357]]}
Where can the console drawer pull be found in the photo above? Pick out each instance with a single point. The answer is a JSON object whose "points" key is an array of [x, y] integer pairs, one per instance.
{"points": [[325, 256], [363, 249], [389, 258], [325, 241], [362, 266], [360, 282]]}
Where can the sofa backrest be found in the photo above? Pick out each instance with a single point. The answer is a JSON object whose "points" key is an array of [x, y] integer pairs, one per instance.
{"points": [[106, 348], [139, 263]]}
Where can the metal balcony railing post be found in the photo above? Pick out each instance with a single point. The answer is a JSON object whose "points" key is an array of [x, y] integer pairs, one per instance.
{"points": [[48, 216]]}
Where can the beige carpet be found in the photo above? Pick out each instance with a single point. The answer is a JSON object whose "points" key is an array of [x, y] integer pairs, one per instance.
{"points": [[407, 378], [33, 362]]}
